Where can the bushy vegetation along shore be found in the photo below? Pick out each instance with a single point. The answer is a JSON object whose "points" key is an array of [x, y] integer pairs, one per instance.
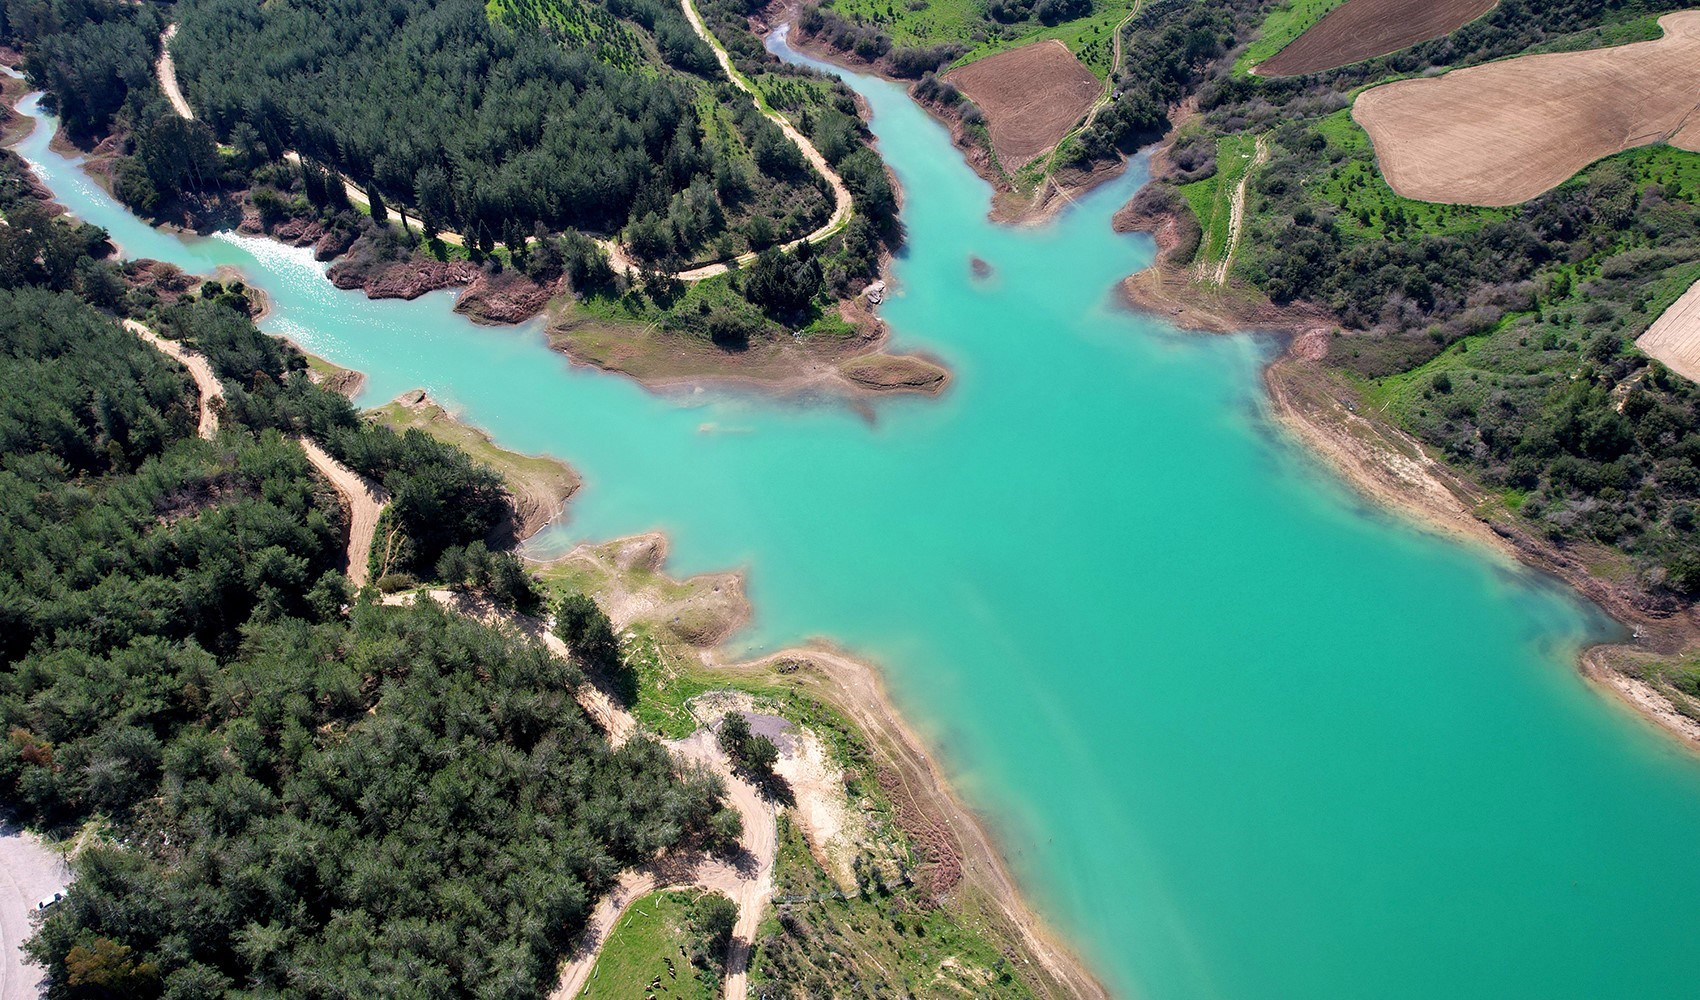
{"points": [[1501, 338]]}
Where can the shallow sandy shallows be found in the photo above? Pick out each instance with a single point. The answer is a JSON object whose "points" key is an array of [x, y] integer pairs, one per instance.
{"points": [[1502, 133], [1674, 337], [1031, 97]]}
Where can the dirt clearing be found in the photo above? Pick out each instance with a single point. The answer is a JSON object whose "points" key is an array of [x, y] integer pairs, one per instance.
{"points": [[1364, 29], [1502, 133], [1674, 337], [1031, 97]]}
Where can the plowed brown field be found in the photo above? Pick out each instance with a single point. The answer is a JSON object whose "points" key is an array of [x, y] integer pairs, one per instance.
{"points": [[1031, 96], [1501, 133], [1364, 29]]}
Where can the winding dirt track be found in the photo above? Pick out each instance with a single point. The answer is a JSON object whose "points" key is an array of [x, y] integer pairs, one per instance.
{"points": [[843, 205], [198, 366], [1217, 273], [747, 881], [1674, 337], [29, 873], [365, 499]]}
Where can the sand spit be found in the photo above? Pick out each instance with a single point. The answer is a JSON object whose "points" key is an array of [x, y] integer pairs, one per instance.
{"points": [[1501, 133]]}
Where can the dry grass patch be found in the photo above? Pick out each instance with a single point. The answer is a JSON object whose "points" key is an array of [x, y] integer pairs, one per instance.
{"points": [[1364, 29], [1031, 97], [1502, 133]]}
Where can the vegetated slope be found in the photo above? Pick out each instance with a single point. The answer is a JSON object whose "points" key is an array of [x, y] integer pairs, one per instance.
{"points": [[1031, 97], [1675, 337], [557, 114], [1362, 29], [908, 40], [1502, 133], [1497, 336], [296, 799]]}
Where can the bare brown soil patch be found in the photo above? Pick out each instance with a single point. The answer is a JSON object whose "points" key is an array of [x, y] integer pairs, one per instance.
{"points": [[1031, 97], [1502, 133], [1364, 29], [1674, 338]]}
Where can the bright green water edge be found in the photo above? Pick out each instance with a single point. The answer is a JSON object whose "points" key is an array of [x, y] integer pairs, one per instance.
{"points": [[1242, 736]]}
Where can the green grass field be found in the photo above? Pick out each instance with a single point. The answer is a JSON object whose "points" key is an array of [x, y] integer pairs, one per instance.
{"points": [[647, 955], [1636, 29], [1211, 199], [1282, 26]]}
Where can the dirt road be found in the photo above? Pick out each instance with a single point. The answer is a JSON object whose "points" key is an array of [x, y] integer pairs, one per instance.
{"points": [[1217, 274], [747, 880], [166, 69], [365, 500], [29, 873], [198, 367]]}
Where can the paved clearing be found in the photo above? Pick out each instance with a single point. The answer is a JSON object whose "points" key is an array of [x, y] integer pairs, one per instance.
{"points": [[1364, 29], [1674, 338], [198, 366], [1031, 97], [29, 873], [1501, 133]]}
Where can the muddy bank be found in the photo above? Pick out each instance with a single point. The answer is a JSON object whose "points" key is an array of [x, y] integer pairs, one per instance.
{"points": [[1010, 205], [1393, 469]]}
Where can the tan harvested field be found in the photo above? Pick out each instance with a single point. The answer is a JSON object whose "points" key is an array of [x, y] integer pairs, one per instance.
{"points": [[1674, 337], [1501, 133], [1364, 29], [1031, 97]]}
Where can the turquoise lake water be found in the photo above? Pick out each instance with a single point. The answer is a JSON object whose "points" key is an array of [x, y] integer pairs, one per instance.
{"points": [[1241, 735]]}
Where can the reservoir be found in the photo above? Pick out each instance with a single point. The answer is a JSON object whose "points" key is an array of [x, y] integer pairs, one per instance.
{"points": [[1241, 735]]}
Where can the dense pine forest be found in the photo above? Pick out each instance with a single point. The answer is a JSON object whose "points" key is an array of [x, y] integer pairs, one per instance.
{"points": [[283, 788]]}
